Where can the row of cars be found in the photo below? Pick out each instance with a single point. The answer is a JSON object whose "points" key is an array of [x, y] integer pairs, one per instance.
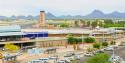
{"points": [[110, 48], [88, 54], [44, 60], [68, 58], [71, 56], [116, 59]]}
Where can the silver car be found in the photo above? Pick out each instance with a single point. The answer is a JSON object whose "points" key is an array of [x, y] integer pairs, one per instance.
{"points": [[88, 54]]}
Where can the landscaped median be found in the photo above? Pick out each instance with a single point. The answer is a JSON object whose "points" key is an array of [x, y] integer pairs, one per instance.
{"points": [[99, 58]]}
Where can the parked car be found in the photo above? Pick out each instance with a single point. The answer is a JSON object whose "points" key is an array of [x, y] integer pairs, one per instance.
{"points": [[53, 57], [45, 60], [68, 60], [77, 57], [88, 54], [116, 59], [109, 49], [69, 55], [71, 58], [99, 51], [63, 61], [115, 46], [19, 53], [102, 49], [36, 61]]}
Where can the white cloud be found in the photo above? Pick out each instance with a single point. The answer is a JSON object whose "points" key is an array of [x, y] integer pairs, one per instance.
{"points": [[59, 7]]}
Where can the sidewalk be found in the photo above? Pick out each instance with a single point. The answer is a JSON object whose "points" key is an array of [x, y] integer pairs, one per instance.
{"points": [[25, 57], [61, 51]]}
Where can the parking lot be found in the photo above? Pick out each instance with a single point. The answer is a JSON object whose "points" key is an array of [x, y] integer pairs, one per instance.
{"points": [[120, 51], [62, 52]]}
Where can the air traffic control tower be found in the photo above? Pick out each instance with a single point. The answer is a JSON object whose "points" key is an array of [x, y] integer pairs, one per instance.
{"points": [[42, 19]]}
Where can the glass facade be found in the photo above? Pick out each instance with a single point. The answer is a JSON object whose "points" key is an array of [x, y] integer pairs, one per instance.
{"points": [[36, 34]]}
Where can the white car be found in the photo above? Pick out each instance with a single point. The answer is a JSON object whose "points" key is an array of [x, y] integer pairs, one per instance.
{"points": [[71, 58], [53, 57], [63, 61], [77, 57], [69, 55], [18, 54], [36, 61], [45, 60], [115, 59], [109, 49], [68, 60], [88, 54]]}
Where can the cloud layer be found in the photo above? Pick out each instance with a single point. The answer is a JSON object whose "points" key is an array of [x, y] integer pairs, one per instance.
{"points": [[59, 7]]}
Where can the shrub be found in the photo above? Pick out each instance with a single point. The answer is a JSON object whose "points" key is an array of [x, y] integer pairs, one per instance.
{"points": [[113, 43], [90, 49], [11, 47], [64, 25], [104, 44], [78, 40], [96, 45], [99, 58], [89, 39], [71, 40]]}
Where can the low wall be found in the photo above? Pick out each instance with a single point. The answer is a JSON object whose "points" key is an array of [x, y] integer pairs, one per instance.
{"points": [[51, 43]]}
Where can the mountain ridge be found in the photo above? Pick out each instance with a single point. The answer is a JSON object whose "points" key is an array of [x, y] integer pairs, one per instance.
{"points": [[94, 14]]}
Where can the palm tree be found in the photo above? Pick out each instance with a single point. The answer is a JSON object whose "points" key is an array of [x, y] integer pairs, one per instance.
{"points": [[77, 42], [71, 40]]}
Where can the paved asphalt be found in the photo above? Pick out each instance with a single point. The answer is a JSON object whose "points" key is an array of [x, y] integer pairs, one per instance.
{"points": [[120, 51]]}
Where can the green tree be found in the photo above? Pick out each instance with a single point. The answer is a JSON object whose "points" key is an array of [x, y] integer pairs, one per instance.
{"points": [[89, 40], [94, 24], [88, 23], [76, 23], [99, 58], [112, 43], [78, 41], [65, 25], [83, 22], [104, 44], [90, 49], [96, 45], [108, 21], [71, 40]]}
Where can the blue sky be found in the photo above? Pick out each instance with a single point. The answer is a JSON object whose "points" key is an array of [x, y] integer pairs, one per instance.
{"points": [[59, 7]]}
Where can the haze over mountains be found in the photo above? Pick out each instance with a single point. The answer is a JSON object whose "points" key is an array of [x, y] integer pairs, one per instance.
{"points": [[94, 14]]}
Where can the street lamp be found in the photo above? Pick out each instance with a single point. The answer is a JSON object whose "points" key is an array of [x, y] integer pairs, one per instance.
{"points": [[113, 54], [82, 40], [103, 31], [114, 32]]}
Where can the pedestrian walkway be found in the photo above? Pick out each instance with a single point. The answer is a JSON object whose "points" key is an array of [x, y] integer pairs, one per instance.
{"points": [[24, 58]]}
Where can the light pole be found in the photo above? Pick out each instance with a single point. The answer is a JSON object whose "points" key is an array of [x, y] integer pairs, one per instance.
{"points": [[82, 40], [103, 31], [113, 43], [114, 37]]}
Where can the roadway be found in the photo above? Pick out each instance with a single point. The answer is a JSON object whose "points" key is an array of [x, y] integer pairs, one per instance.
{"points": [[120, 51]]}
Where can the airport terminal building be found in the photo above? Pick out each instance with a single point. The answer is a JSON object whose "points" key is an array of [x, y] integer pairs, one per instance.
{"points": [[50, 37], [13, 34]]}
